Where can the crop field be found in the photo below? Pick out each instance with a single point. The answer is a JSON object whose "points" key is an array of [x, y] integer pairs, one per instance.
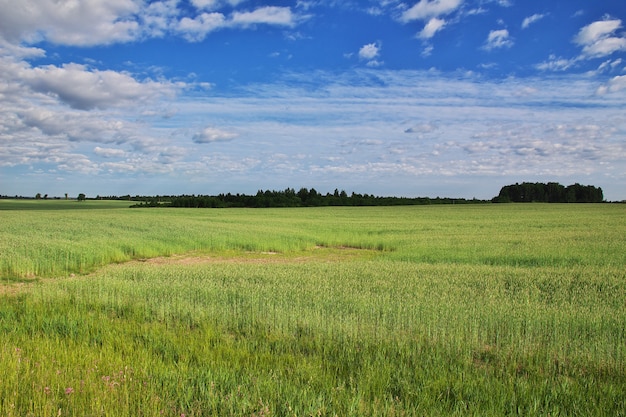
{"points": [[479, 310]]}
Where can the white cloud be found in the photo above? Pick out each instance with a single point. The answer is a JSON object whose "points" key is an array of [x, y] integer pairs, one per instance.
{"points": [[427, 9], [158, 18], [609, 65], [597, 31], [555, 63], [427, 51], [50, 114], [614, 85], [103, 22], [85, 89], [109, 152], [73, 126], [14, 51], [498, 39], [270, 15], [433, 26], [198, 28], [598, 39], [369, 51], [532, 19], [205, 4], [374, 63], [70, 22], [211, 134], [604, 47]]}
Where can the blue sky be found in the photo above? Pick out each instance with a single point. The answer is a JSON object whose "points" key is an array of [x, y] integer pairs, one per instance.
{"points": [[450, 98]]}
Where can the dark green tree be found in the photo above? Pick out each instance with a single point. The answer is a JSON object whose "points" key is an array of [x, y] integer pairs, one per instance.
{"points": [[549, 193]]}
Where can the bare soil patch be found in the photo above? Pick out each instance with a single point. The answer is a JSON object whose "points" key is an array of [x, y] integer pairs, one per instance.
{"points": [[317, 254]]}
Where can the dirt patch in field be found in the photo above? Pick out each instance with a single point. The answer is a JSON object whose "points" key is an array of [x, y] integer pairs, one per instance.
{"points": [[15, 288], [317, 254]]}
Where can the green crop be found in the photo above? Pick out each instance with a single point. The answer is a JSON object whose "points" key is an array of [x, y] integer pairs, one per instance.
{"points": [[448, 310]]}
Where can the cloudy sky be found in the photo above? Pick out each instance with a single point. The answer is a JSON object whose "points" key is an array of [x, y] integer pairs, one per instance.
{"points": [[450, 98]]}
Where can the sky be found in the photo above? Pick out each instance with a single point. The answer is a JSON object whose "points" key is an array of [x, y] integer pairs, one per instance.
{"points": [[450, 98]]}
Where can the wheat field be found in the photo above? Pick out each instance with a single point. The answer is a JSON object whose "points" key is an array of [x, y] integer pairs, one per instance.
{"points": [[380, 311]]}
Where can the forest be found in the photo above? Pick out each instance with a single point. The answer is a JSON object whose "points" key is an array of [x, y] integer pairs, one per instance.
{"points": [[292, 198], [525, 192], [551, 192]]}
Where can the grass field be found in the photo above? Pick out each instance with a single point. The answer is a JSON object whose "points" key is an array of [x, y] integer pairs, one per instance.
{"points": [[443, 310]]}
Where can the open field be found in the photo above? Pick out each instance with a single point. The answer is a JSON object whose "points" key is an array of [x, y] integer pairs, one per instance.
{"points": [[443, 310]]}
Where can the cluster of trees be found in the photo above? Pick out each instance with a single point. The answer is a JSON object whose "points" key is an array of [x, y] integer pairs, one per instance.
{"points": [[292, 198], [551, 192], [38, 196]]}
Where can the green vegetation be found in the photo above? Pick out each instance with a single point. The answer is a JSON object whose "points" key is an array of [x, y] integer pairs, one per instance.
{"points": [[551, 192], [58, 204], [290, 198], [427, 310]]}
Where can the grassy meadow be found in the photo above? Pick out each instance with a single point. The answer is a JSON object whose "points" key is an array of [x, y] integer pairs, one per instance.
{"points": [[484, 310]]}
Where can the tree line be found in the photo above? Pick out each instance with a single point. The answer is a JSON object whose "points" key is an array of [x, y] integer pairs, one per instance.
{"points": [[526, 192], [292, 198], [551, 192]]}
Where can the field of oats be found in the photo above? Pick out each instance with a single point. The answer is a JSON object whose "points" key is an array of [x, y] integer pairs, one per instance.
{"points": [[381, 311]]}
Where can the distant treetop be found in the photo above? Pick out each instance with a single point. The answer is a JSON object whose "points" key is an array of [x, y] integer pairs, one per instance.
{"points": [[291, 198], [551, 192]]}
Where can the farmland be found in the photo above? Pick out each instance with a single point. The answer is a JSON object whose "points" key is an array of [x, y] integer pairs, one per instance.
{"points": [[444, 310]]}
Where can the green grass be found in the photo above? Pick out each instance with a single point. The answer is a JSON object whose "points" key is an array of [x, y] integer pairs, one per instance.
{"points": [[53, 204], [473, 310]]}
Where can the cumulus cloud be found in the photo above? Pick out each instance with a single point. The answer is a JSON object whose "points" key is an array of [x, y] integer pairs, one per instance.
{"points": [[598, 39], [427, 9], [73, 126], [14, 51], [498, 39], [198, 28], [57, 136], [212, 134], [369, 51], [82, 88], [269, 15], [597, 31], [433, 26], [52, 115], [158, 18], [532, 19], [103, 22], [613, 85], [72, 23]]}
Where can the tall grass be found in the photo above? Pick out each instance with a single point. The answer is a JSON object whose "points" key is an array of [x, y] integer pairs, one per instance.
{"points": [[503, 310], [44, 243], [299, 338]]}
